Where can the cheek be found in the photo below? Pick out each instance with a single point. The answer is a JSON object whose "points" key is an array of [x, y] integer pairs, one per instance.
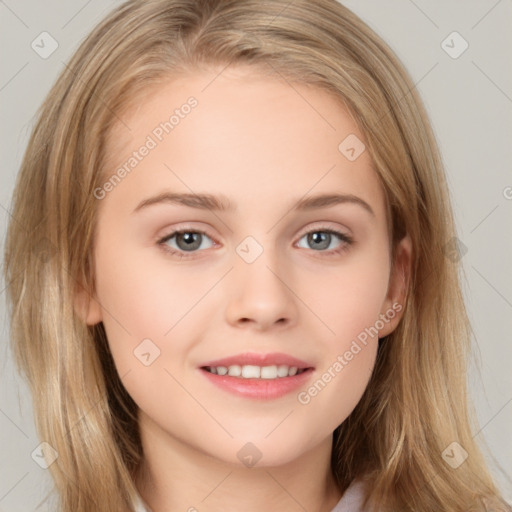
{"points": [[350, 298], [348, 355], [145, 298], [134, 307], [349, 303]]}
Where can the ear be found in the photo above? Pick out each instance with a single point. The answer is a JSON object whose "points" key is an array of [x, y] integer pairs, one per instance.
{"points": [[394, 304], [87, 307]]}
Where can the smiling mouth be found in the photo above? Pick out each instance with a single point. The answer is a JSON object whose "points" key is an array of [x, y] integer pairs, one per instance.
{"points": [[256, 372]]}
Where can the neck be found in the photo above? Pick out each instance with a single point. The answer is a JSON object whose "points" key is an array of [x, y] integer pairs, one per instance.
{"points": [[176, 476]]}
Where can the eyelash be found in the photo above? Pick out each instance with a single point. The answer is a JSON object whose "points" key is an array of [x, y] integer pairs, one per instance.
{"points": [[346, 240]]}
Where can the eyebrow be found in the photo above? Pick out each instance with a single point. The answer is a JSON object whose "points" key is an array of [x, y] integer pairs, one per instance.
{"points": [[222, 203]]}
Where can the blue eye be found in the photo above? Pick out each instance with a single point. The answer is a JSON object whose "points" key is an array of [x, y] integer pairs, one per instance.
{"points": [[323, 241], [186, 241], [190, 241]]}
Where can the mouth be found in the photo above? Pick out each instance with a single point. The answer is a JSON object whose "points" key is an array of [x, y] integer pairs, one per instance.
{"points": [[258, 376]]}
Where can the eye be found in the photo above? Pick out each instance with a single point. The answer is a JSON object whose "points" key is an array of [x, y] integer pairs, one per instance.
{"points": [[320, 239], [179, 242], [183, 241]]}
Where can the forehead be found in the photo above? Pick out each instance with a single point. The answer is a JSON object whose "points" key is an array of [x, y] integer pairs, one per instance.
{"points": [[246, 133]]}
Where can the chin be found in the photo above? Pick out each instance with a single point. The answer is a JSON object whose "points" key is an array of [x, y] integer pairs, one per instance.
{"points": [[263, 453]]}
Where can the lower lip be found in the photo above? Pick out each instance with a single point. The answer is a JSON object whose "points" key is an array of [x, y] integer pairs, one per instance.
{"points": [[261, 389]]}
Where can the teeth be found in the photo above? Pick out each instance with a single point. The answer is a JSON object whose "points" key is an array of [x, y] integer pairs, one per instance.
{"points": [[282, 371], [251, 372], [270, 372], [255, 372], [234, 371]]}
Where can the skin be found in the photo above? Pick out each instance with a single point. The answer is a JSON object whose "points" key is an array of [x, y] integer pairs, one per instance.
{"points": [[264, 145]]}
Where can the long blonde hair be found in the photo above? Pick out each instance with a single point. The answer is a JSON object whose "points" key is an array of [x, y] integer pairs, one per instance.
{"points": [[416, 403]]}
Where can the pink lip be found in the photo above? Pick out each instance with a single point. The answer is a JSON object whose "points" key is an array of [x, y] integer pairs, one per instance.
{"points": [[261, 389], [256, 359]]}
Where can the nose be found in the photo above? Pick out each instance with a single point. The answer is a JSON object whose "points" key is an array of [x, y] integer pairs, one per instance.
{"points": [[260, 295]]}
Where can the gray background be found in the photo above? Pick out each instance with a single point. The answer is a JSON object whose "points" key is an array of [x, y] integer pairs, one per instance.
{"points": [[469, 99]]}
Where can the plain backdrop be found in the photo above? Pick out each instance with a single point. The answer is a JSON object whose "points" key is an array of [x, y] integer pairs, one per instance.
{"points": [[468, 95]]}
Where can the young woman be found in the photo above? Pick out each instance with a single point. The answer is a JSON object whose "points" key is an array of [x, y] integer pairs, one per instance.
{"points": [[228, 276]]}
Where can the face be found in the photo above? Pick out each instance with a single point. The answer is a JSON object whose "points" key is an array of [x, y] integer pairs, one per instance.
{"points": [[259, 276]]}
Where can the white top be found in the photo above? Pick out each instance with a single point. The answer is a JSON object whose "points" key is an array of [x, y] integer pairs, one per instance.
{"points": [[351, 501]]}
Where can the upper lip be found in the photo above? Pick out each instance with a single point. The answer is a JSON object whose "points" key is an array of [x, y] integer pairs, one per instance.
{"points": [[253, 358]]}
